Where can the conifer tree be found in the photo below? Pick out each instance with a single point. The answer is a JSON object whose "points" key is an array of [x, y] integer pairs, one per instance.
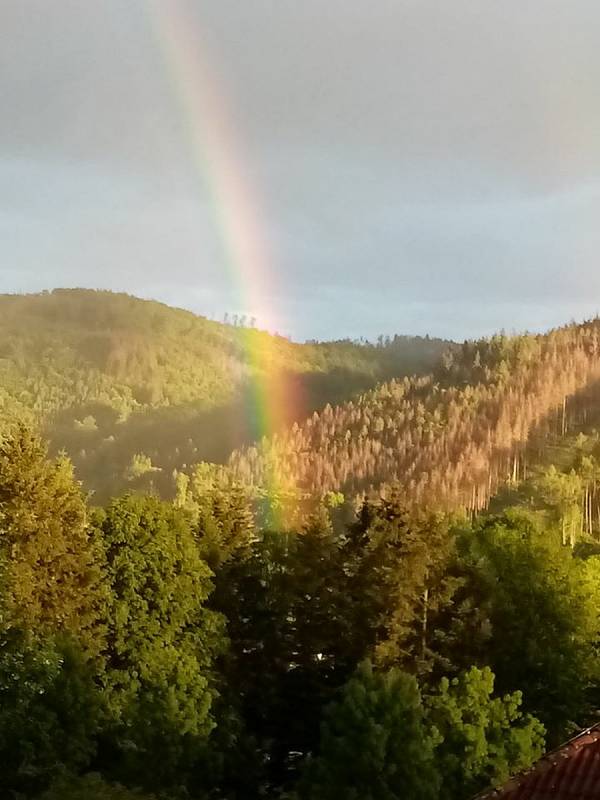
{"points": [[51, 572], [402, 576]]}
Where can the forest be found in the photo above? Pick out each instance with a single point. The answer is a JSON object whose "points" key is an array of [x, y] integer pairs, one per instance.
{"points": [[109, 378], [419, 620]]}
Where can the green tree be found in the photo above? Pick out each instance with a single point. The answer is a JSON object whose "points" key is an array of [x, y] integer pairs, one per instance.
{"points": [[291, 615], [162, 639], [140, 465], [374, 744], [224, 522], [402, 575], [52, 600], [564, 493], [51, 574], [485, 739], [50, 711], [542, 616]]}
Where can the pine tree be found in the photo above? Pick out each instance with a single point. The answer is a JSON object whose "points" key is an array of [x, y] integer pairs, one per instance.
{"points": [[402, 575]]}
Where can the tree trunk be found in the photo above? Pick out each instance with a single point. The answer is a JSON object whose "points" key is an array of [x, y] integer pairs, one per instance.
{"points": [[424, 622]]}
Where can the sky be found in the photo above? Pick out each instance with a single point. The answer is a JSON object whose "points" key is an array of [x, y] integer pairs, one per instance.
{"points": [[335, 168]]}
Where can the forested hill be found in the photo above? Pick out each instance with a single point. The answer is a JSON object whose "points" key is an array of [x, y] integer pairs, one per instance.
{"points": [[132, 387], [449, 439], [181, 648]]}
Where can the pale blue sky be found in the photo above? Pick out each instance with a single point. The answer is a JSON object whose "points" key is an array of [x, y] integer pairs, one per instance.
{"points": [[422, 166]]}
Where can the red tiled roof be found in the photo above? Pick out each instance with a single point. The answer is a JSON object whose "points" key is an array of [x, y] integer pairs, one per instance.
{"points": [[572, 772]]}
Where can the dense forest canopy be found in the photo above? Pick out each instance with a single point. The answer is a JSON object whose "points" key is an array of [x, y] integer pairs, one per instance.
{"points": [[450, 438], [420, 619], [152, 649], [111, 377]]}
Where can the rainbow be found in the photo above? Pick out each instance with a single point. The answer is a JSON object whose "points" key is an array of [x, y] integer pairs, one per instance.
{"points": [[237, 210]]}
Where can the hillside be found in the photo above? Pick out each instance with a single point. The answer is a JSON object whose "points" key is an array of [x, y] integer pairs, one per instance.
{"points": [[449, 439], [483, 628], [110, 377], [194, 647]]}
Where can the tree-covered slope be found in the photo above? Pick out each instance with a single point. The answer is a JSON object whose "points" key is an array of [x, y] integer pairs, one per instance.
{"points": [[183, 650], [110, 377], [450, 438]]}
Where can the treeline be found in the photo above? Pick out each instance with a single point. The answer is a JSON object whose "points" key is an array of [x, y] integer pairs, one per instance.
{"points": [[450, 439], [175, 650], [109, 377]]}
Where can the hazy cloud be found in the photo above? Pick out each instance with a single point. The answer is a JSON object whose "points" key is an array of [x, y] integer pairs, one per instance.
{"points": [[418, 165]]}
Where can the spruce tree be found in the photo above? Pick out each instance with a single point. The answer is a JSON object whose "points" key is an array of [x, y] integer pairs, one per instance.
{"points": [[402, 576]]}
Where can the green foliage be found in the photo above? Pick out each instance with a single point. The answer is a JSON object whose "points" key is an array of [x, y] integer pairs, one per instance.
{"points": [[140, 465], [449, 439], [109, 376], [162, 639], [374, 745], [543, 616], [293, 643], [88, 424], [564, 492], [380, 739], [402, 576], [186, 648], [222, 513], [484, 739], [50, 711], [51, 575]]}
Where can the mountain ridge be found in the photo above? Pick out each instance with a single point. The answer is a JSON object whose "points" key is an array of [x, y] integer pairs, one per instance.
{"points": [[108, 376]]}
